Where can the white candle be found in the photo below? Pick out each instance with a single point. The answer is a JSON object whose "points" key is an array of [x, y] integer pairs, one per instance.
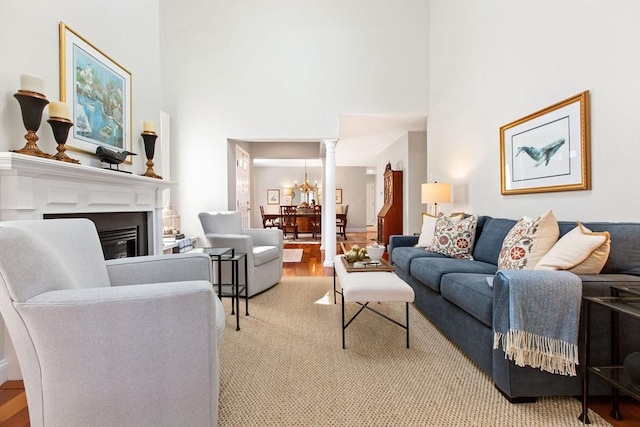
{"points": [[148, 127], [59, 110], [32, 83]]}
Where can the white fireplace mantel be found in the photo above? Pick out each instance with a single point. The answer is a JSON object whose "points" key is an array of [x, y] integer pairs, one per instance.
{"points": [[31, 187]]}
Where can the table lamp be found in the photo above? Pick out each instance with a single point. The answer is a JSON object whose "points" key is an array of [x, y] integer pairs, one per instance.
{"points": [[436, 192]]}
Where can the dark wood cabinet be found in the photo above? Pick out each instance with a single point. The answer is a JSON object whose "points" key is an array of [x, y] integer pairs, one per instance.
{"points": [[390, 216]]}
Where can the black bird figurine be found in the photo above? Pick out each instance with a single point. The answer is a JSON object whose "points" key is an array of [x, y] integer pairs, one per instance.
{"points": [[112, 157]]}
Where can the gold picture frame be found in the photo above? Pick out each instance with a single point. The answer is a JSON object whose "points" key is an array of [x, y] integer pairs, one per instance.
{"points": [[548, 150], [273, 197], [99, 93], [338, 196]]}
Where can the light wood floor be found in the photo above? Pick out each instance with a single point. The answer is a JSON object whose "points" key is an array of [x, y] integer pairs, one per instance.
{"points": [[13, 401]]}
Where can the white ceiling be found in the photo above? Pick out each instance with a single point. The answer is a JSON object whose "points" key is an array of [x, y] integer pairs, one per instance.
{"points": [[361, 138], [364, 136]]}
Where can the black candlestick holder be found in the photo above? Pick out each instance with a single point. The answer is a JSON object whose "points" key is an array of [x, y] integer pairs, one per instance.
{"points": [[60, 129], [149, 149], [32, 105]]}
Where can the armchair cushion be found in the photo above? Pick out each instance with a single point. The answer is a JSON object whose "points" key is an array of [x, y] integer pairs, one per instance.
{"points": [[59, 248], [264, 254], [25, 259]]}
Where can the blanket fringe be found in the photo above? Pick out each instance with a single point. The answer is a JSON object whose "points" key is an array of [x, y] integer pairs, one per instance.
{"points": [[548, 354]]}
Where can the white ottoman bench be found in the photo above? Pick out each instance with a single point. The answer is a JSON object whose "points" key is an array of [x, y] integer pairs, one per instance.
{"points": [[370, 286]]}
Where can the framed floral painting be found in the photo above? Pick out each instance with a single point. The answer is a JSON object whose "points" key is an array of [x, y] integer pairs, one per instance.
{"points": [[98, 91]]}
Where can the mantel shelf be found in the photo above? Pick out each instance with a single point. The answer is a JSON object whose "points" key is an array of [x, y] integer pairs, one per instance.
{"points": [[36, 167]]}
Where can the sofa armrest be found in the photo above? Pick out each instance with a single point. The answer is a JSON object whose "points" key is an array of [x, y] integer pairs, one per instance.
{"points": [[264, 237], [159, 269], [102, 348], [397, 241]]}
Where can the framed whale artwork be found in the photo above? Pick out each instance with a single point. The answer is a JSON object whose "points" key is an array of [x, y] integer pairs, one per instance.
{"points": [[548, 150]]}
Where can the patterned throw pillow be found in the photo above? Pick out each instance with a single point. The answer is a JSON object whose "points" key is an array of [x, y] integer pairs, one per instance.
{"points": [[454, 237], [528, 241], [429, 227]]}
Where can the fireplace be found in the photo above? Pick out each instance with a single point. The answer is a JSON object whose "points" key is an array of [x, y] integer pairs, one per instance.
{"points": [[122, 234]]}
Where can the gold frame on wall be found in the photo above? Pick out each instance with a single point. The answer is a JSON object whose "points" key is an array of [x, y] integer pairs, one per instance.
{"points": [[548, 150], [111, 107], [338, 196], [273, 196]]}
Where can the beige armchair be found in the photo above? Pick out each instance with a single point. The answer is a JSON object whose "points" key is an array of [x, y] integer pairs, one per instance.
{"points": [[262, 246], [129, 342]]}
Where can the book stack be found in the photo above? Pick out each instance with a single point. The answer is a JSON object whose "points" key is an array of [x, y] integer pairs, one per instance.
{"points": [[179, 243], [185, 244]]}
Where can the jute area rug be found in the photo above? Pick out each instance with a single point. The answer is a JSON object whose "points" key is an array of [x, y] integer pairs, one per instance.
{"points": [[286, 367]]}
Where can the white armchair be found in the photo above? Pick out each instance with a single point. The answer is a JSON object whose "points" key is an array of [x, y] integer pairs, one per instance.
{"points": [[262, 246], [130, 342]]}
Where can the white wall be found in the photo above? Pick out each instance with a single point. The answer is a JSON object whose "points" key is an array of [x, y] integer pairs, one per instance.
{"points": [[126, 31], [415, 176], [494, 62], [280, 70]]}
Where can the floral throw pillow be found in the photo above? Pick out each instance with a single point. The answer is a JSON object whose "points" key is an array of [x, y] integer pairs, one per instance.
{"points": [[528, 241], [454, 237], [429, 227]]}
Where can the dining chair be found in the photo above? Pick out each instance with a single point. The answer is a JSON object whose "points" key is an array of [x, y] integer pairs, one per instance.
{"points": [[341, 222], [269, 220], [289, 220], [316, 221]]}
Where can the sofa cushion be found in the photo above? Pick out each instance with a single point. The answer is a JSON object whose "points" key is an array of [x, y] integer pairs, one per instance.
{"points": [[580, 250], [454, 237], [403, 255], [491, 234], [528, 241], [430, 270], [471, 293], [264, 254]]}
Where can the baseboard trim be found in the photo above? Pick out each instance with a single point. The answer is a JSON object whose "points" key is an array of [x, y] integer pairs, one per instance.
{"points": [[4, 371]]}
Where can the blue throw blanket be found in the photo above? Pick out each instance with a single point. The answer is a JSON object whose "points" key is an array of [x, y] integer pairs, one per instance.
{"points": [[536, 319]]}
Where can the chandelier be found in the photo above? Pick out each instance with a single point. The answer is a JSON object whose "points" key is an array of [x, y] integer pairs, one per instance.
{"points": [[305, 188]]}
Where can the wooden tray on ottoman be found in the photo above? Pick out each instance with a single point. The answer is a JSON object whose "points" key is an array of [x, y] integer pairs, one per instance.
{"points": [[383, 266]]}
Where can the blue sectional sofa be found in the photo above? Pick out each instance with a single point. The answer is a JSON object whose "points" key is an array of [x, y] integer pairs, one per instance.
{"points": [[455, 296]]}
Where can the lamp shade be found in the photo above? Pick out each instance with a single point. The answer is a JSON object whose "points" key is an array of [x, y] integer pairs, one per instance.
{"points": [[288, 191], [436, 192]]}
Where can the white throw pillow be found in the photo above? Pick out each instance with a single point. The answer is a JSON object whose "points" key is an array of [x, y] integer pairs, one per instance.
{"points": [[598, 258], [528, 241], [573, 249], [429, 227]]}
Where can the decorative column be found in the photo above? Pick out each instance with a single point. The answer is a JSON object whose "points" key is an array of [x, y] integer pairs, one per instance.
{"points": [[330, 212], [323, 202]]}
